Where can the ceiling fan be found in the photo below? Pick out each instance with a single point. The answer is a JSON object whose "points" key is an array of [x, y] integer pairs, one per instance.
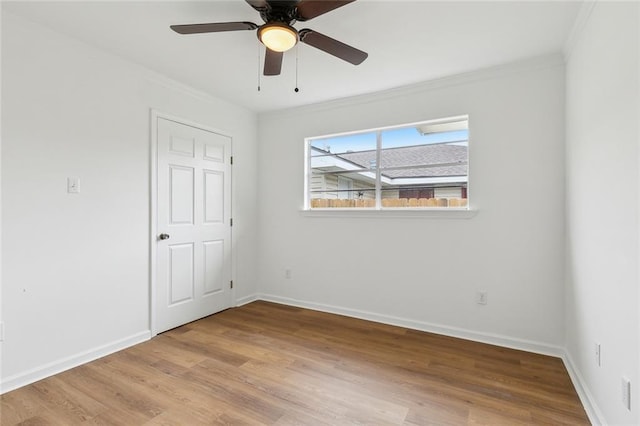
{"points": [[278, 34]]}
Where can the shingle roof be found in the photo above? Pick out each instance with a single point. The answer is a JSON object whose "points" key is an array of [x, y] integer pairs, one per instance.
{"points": [[420, 155]]}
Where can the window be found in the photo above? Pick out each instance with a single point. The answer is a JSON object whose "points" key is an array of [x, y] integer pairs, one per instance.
{"points": [[421, 165]]}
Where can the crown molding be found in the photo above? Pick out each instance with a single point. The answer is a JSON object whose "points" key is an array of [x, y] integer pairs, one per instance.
{"points": [[536, 63]]}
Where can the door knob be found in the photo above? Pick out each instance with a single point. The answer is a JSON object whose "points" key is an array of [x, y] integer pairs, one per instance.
{"points": [[163, 236]]}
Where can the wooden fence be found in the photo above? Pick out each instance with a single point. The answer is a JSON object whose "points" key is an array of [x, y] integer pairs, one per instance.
{"points": [[320, 203]]}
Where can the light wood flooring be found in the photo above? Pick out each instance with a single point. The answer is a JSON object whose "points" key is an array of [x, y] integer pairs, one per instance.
{"points": [[265, 363]]}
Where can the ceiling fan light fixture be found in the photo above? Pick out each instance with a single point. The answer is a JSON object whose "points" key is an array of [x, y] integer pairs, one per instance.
{"points": [[278, 36]]}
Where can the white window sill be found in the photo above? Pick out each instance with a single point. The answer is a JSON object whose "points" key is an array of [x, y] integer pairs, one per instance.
{"points": [[428, 213]]}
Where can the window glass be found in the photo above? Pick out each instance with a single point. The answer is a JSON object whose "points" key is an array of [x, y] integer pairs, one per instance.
{"points": [[338, 179], [423, 165]]}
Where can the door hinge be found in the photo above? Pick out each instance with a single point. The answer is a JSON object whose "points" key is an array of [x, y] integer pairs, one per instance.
{"points": [[231, 222], [232, 160], [231, 284]]}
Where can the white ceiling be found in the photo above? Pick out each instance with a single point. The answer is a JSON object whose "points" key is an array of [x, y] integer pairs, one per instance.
{"points": [[407, 41]]}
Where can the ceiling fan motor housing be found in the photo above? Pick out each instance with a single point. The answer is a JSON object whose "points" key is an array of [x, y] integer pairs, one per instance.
{"points": [[280, 11]]}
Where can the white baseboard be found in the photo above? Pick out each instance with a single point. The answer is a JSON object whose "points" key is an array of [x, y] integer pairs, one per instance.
{"points": [[246, 299], [489, 338], [588, 402], [23, 379]]}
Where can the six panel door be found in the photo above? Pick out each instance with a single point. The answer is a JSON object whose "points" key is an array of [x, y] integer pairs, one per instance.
{"points": [[193, 254]]}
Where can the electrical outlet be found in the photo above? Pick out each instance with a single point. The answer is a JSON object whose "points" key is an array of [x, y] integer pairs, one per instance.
{"points": [[481, 297], [626, 393], [597, 354]]}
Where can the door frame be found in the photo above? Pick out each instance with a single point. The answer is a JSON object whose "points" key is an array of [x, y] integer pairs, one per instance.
{"points": [[153, 207]]}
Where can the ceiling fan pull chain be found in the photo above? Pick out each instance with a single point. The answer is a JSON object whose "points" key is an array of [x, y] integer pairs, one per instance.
{"points": [[296, 89], [259, 62]]}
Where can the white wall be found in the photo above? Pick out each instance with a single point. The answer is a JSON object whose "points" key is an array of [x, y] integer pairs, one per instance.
{"points": [[1, 316], [76, 266], [424, 271], [603, 115]]}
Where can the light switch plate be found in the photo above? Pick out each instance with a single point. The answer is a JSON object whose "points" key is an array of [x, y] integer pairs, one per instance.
{"points": [[73, 185]]}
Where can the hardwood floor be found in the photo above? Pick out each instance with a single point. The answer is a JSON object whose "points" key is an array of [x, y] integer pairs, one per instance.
{"points": [[265, 363]]}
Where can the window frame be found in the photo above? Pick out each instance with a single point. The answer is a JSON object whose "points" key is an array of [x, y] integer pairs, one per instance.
{"points": [[466, 211]]}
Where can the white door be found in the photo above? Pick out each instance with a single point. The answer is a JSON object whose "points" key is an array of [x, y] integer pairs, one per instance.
{"points": [[193, 245]]}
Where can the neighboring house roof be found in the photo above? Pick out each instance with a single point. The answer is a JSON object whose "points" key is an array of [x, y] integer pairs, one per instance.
{"points": [[452, 157]]}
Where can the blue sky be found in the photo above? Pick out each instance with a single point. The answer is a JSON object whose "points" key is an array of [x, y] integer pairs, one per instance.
{"points": [[406, 136]]}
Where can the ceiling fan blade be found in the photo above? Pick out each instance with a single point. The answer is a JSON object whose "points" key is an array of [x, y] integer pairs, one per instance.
{"points": [[272, 62], [309, 9], [213, 27], [332, 46]]}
